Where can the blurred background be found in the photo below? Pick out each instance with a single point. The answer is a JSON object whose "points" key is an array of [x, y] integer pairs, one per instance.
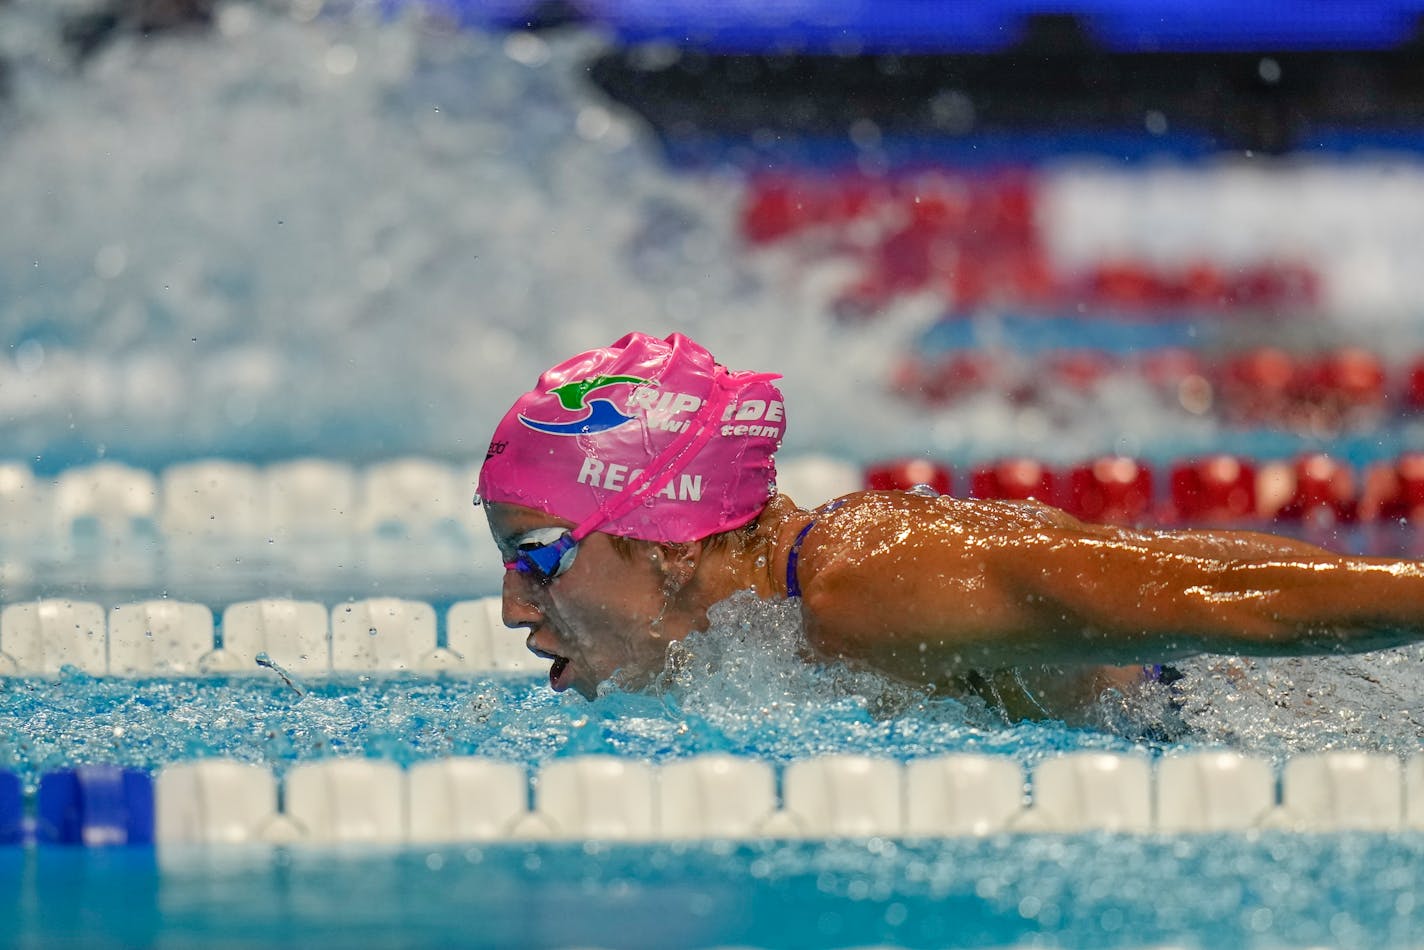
{"points": [[271, 271]]}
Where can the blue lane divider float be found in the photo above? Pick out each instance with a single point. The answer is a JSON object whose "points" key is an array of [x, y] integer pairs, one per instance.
{"points": [[95, 805], [12, 810]]}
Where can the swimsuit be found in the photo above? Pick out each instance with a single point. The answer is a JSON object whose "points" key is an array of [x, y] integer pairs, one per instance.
{"points": [[793, 586]]}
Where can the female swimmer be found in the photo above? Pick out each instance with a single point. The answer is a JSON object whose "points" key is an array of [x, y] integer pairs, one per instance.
{"points": [[634, 488]]}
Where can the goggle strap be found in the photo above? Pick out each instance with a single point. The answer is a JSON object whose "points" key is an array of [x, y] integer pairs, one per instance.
{"points": [[669, 462]]}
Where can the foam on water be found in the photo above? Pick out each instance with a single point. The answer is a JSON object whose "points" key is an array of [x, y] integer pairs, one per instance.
{"points": [[345, 236], [1280, 707], [751, 677]]}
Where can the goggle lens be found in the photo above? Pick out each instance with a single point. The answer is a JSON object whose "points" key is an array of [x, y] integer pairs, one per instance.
{"points": [[545, 560]]}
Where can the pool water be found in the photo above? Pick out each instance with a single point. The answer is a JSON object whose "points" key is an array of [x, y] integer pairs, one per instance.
{"points": [[743, 689], [357, 238], [1270, 890], [740, 688]]}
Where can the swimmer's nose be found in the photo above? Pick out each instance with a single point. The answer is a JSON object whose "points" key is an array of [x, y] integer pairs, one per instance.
{"points": [[516, 609]]}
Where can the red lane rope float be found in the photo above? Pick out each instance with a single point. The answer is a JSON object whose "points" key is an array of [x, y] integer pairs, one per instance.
{"points": [[1310, 490]]}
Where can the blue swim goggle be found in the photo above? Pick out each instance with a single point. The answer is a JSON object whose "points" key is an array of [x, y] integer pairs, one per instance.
{"points": [[544, 559]]}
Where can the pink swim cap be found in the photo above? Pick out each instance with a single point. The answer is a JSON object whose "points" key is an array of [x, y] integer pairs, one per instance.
{"points": [[647, 438]]}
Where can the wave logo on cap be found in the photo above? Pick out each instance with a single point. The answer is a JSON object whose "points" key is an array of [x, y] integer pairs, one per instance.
{"points": [[573, 396]]}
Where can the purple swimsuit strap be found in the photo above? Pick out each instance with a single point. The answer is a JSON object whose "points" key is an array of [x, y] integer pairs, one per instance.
{"points": [[793, 586]]}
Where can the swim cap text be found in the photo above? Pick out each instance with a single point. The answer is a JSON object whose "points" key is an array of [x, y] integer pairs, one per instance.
{"points": [[615, 477]]}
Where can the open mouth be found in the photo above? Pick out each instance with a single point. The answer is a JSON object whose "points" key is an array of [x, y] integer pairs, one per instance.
{"points": [[556, 673], [557, 681]]}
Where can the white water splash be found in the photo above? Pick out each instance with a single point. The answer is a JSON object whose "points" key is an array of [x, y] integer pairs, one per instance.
{"points": [[1281, 707], [356, 238]]}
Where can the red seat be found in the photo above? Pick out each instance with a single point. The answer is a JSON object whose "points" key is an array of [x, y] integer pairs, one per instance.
{"points": [[904, 474], [1014, 480], [1214, 490], [1005, 206], [774, 210], [937, 200], [855, 197], [1116, 490], [908, 258]]}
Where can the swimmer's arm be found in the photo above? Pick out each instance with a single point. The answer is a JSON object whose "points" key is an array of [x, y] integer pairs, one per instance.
{"points": [[1141, 596], [1044, 588]]}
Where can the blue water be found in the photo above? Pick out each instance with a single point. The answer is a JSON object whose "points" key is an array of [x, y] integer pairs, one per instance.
{"points": [[743, 689], [1085, 891], [1271, 889], [357, 239]]}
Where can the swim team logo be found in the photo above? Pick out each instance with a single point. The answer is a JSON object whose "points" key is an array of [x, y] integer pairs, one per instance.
{"points": [[573, 396]]}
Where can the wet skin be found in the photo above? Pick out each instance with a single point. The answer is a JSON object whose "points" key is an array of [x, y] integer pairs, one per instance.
{"points": [[931, 590], [608, 613]]}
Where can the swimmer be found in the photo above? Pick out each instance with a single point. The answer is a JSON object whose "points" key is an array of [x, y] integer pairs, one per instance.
{"points": [[634, 488]]}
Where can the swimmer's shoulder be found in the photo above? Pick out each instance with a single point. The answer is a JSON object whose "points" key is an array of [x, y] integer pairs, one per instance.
{"points": [[859, 533], [854, 551], [865, 510], [846, 529]]}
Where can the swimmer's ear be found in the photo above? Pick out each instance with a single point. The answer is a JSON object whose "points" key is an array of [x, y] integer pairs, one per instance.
{"points": [[678, 562]]}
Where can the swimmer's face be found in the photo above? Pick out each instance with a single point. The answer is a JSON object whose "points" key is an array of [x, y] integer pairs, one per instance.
{"points": [[595, 618]]}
